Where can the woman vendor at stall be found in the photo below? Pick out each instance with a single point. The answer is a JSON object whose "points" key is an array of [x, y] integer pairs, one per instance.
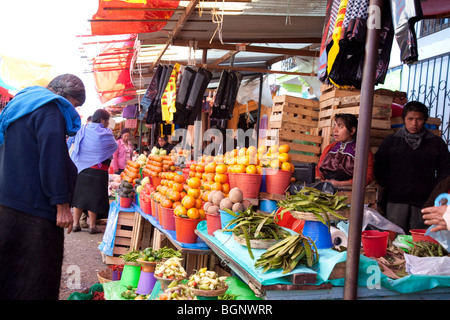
{"points": [[336, 163]]}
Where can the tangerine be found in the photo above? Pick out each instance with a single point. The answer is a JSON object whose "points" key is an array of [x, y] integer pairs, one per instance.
{"points": [[177, 186], [284, 157], [239, 168], [225, 188], [201, 213], [179, 178], [221, 168], [284, 148], [194, 183], [220, 178], [196, 193], [180, 211], [193, 213], [198, 203], [176, 204], [188, 202], [216, 186], [251, 169]]}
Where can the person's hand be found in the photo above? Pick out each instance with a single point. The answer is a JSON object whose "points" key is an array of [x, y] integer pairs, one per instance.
{"points": [[434, 216], [64, 217]]}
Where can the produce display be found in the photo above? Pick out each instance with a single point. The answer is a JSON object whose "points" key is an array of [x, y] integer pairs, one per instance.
{"points": [[234, 201], [131, 172], [125, 190], [177, 291], [316, 202], [131, 256], [170, 269], [205, 279], [252, 225], [427, 249], [150, 254], [170, 191], [289, 252], [158, 162]]}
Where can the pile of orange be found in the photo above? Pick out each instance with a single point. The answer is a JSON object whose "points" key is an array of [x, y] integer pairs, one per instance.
{"points": [[212, 171], [191, 205], [156, 165], [171, 190], [276, 157], [244, 160], [131, 172]]}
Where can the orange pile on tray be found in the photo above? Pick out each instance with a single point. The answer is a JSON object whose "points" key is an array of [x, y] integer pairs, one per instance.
{"points": [[131, 172], [156, 165]]}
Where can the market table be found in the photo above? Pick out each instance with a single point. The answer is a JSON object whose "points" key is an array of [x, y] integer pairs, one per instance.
{"points": [[321, 281]]}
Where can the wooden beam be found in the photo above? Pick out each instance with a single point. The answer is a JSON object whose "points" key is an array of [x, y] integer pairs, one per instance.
{"points": [[179, 25], [255, 70], [225, 57], [260, 40], [246, 48]]}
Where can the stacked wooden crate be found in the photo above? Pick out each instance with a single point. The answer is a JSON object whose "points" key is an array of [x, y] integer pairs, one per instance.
{"points": [[294, 121], [334, 101]]}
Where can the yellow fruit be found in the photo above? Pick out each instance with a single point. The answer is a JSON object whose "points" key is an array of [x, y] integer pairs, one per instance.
{"points": [[284, 148], [251, 169], [193, 213]]}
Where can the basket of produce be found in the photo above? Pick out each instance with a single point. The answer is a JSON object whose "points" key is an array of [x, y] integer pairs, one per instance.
{"points": [[311, 204], [168, 271], [206, 283], [288, 253], [177, 291], [256, 230]]}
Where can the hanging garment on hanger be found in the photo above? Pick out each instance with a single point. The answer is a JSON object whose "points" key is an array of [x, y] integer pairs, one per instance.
{"points": [[151, 93], [169, 96], [404, 15], [232, 99], [194, 104], [181, 114], [164, 82]]}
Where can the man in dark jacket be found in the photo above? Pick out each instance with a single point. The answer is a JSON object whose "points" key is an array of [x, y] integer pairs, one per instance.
{"points": [[37, 179], [409, 164]]}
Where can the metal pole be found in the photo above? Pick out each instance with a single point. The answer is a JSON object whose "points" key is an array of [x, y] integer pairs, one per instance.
{"points": [[362, 150], [258, 116]]}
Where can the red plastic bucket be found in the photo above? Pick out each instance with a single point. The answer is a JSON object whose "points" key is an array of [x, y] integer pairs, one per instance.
{"points": [[185, 229], [152, 204], [248, 183], [160, 209], [168, 218], [277, 181], [419, 235], [146, 207], [374, 243], [213, 223], [125, 202]]}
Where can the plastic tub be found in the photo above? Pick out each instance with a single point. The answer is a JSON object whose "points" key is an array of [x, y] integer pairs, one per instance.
{"points": [[374, 243], [419, 235]]}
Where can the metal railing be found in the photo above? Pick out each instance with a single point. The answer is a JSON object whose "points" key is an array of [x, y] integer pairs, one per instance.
{"points": [[428, 82]]}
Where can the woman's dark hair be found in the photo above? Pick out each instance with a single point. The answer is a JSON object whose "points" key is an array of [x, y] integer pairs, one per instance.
{"points": [[99, 115], [68, 85], [350, 121], [415, 106], [126, 130]]}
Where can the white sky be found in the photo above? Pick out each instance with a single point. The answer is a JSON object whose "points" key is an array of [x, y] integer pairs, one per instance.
{"points": [[45, 31]]}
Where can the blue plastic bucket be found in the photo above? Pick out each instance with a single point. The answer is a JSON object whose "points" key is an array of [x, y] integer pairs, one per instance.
{"points": [[319, 233], [268, 206], [225, 218]]}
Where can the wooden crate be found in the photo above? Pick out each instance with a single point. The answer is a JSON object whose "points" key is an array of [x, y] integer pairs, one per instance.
{"points": [[303, 147], [129, 225], [334, 101], [294, 113]]}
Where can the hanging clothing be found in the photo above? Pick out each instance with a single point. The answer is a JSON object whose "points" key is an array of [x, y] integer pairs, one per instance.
{"points": [[168, 98], [181, 114]]}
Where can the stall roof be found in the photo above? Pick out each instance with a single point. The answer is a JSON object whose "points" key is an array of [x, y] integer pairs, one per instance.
{"points": [[245, 35]]}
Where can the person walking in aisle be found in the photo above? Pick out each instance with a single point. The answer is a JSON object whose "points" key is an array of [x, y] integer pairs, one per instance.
{"points": [[37, 179], [94, 147]]}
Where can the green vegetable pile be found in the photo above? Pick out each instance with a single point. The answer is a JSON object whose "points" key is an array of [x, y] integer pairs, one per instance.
{"points": [[131, 256], [289, 252], [316, 202], [150, 254], [253, 225], [427, 249]]}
